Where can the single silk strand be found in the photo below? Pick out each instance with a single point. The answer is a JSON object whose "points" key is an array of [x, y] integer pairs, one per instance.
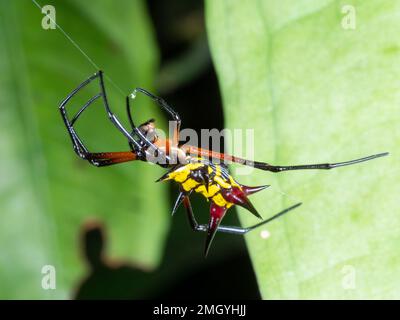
{"points": [[90, 60]]}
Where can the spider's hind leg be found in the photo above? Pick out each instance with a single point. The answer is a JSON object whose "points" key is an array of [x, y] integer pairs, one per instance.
{"points": [[228, 229]]}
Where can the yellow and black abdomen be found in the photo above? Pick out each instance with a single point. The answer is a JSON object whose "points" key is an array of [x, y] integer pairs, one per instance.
{"points": [[208, 179]]}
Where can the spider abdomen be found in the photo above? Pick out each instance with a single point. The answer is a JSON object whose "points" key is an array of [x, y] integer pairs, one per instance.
{"points": [[210, 180]]}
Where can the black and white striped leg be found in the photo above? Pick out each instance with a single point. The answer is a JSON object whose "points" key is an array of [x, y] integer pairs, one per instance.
{"points": [[229, 229]]}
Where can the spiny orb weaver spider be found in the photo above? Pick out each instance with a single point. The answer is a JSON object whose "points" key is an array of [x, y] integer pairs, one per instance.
{"points": [[191, 167]]}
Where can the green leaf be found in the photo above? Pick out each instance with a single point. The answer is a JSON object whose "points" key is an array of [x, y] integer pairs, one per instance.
{"points": [[316, 92], [47, 192]]}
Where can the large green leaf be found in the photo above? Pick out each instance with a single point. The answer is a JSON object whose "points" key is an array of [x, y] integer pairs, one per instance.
{"points": [[47, 193], [315, 92]]}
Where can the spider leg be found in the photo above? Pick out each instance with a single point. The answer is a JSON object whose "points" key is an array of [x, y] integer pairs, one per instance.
{"points": [[132, 124], [192, 220], [97, 159], [101, 159], [228, 229], [175, 116], [80, 149], [115, 120], [140, 134], [320, 166], [178, 201], [233, 229], [78, 145], [129, 113], [164, 105], [191, 150]]}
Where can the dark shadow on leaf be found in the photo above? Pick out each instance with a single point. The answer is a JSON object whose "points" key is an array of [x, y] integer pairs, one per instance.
{"points": [[108, 279], [215, 277]]}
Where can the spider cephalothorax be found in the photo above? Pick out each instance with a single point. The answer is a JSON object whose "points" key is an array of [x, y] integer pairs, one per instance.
{"points": [[193, 168]]}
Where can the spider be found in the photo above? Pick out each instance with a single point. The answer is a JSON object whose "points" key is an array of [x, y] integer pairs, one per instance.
{"points": [[194, 169]]}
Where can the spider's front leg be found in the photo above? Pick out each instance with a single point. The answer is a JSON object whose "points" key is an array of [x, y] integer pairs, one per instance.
{"points": [[100, 158], [170, 146]]}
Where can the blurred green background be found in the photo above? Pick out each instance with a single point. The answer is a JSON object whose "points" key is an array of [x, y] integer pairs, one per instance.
{"points": [[312, 91]]}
